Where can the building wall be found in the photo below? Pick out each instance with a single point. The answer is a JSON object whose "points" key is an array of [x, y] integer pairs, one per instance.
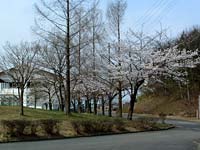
{"points": [[7, 91]]}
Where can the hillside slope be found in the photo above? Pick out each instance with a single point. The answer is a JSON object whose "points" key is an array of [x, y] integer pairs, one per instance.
{"points": [[164, 104]]}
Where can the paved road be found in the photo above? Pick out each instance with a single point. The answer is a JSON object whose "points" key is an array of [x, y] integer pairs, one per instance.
{"points": [[180, 138]]}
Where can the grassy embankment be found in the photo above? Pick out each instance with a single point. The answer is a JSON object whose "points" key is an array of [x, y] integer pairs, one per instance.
{"points": [[40, 124], [168, 105]]}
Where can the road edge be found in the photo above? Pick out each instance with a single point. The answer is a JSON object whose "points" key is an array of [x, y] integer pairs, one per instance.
{"points": [[85, 136]]}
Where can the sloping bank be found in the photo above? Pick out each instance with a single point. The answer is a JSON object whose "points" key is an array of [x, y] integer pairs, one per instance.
{"points": [[40, 129]]}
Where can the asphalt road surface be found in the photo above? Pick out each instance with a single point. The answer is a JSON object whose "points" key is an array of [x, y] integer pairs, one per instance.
{"points": [[181, 138]]}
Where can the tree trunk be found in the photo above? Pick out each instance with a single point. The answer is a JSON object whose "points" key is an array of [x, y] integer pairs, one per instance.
{"points": [[180, 90], [110, 106], [35, 102], [95, 105], [188, 93], [50, 106], [67, 94], [58, 97], [88, 105], [62, 106], [50, 102], [74, 105], [103, 106], [79, 104], [59, 102], [22, 101], [133, 99], [120, 100], [132, 104]]}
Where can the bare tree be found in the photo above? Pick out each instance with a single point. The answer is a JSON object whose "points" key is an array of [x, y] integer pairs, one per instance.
{"points": [[97, 35], [60, 15], [19, 63], [78, 40], [53, 59], [35, 94]]}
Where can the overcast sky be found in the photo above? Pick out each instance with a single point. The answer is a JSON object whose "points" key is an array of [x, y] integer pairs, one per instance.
{"points": [[17, 16]]}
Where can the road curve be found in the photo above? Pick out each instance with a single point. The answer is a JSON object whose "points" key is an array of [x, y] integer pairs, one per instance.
{"points": [[181, 138]]}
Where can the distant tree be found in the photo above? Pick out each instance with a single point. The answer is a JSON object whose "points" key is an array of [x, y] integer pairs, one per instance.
{"points": [[97, 34], [188, 90], [189, 40], [108, 74], [52, 59], [19, 63], [35, 94]]}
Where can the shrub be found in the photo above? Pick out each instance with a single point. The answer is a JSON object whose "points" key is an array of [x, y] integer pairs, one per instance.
{"points": [[145, 123], [119, 125], [92, 126], [20, 128], [33, 128], [50, 126], [15, 128]]}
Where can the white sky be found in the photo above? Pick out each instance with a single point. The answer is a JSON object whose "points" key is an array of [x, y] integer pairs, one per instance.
{"points": [[17, 16]]}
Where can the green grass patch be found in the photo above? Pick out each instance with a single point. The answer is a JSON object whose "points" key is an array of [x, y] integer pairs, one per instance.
{"points": [[12, 113]]}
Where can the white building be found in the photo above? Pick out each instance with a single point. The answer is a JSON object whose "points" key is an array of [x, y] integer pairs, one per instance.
{"points": [[9, 93]]}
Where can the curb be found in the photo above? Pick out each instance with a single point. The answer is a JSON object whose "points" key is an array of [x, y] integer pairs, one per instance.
{"points": [[85, 136], [176, 118]]}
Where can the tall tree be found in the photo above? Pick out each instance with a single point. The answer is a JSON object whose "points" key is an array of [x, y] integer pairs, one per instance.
{"points": [[115, 13], [97, 35], [60, 15]]}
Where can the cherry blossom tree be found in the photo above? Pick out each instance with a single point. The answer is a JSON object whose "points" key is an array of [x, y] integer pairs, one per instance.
{"points": [[142, 62], [115, 13]]}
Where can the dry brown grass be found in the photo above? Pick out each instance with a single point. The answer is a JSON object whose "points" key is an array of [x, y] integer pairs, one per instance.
{"points": [[156, 105]]}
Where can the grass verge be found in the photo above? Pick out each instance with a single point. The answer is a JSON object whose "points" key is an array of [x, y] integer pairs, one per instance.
{"points": [[40, 124]]}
